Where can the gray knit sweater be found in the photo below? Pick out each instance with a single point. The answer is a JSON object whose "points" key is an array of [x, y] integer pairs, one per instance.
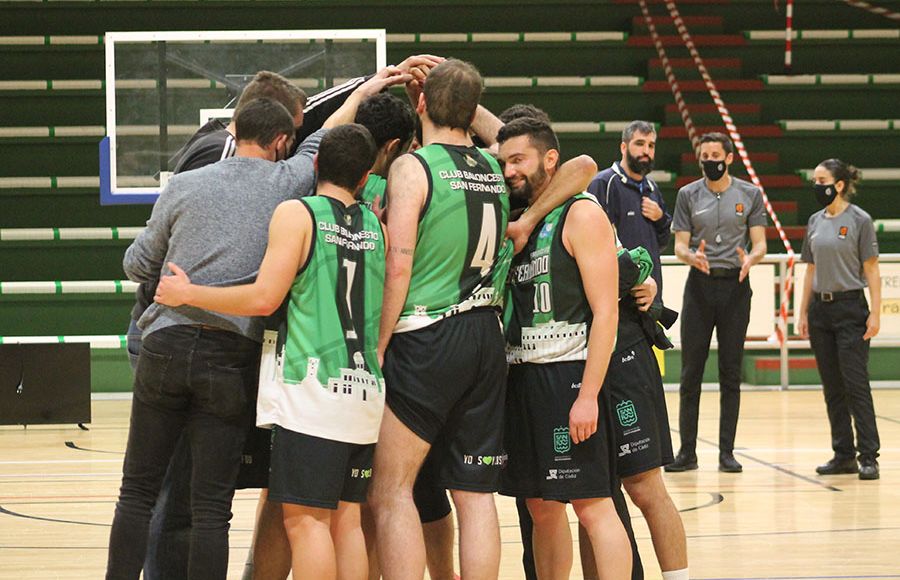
{"points": [[213, 222]]}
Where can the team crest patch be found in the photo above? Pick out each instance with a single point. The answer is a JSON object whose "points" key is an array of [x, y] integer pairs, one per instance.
{"points": [[562, 443], [626, 413], [842, 233], [470, 161], [546, 230], [347, 219], [738, 209]]}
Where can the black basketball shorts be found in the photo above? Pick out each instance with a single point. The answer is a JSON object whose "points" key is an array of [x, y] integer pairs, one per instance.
{"points": [[447, 382], [543, 460], [317, 472], [638, 402]]}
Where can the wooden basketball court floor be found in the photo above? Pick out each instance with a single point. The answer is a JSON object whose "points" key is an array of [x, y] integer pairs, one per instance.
{"points": [[778, 519]]}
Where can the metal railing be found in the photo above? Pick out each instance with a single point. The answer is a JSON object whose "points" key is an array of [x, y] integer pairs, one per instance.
{"points": [[780, 261]]}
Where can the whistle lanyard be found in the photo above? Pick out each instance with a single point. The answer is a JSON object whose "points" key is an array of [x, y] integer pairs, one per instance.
{"points": [[718, 218]]}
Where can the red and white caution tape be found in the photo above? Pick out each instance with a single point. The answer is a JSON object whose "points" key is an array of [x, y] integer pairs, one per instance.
{"points": [[673, 82], [788, 35], [781, 329], [895, 16]]}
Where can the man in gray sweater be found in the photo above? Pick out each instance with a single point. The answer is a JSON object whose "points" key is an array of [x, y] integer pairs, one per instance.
{"points": [[197, 370]]}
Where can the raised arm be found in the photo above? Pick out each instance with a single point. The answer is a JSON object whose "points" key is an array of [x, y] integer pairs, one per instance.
{"points": [[589, 237], [418, 65], [486, 125], [407, 187], [290, 233], [386, 77]]}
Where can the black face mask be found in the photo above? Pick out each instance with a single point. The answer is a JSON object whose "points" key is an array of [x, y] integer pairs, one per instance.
{"points": [[714, 170], [825, 194]]}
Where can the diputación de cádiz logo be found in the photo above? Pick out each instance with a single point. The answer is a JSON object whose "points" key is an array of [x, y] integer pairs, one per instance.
{"points": [[626, 413], [562, 443]]}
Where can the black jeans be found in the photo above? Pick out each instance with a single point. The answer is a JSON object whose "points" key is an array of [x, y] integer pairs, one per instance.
{"points": [[723, 304], [836, 335], [169, 543], [200, 382]]}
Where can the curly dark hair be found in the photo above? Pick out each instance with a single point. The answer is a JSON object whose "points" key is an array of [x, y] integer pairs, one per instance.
{"points": [[387, 117]]}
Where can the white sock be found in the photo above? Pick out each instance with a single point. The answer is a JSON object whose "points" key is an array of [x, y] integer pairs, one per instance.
{"points": [[676, 574]]}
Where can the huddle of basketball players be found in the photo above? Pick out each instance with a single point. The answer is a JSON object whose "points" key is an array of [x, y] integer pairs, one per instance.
{"points": [[427, 343]]}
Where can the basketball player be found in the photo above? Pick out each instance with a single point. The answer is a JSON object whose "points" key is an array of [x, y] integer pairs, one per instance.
{"points": [[561, 326], [392, 125], [448, 208], [328, 252], [290, 183]]}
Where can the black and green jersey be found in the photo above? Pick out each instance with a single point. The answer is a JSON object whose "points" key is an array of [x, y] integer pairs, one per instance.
{"points": [[375, 186], [333, 385], [461, 255], [547, 317]]}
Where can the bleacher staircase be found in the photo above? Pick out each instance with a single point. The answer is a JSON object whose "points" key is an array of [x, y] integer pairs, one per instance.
{"points": [[590, 63]]}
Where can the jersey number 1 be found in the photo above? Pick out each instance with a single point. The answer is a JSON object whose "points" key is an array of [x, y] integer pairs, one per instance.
{"points": [[350, 265]]}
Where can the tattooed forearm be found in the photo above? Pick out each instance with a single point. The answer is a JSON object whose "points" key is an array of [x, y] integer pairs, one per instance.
{"points": [[404, 251]]}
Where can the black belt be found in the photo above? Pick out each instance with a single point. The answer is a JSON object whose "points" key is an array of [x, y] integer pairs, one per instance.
{"points": [[835, 296], [724, 272]]}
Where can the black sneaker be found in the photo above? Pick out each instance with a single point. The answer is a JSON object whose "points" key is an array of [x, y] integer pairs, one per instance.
{"points": [[683, 462], [728, 464], [868, 469], [837, 465]]}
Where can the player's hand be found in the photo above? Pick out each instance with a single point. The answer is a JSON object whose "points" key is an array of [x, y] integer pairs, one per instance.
{"points": [[173, 290], [382, 347], [384, 78], [802, 326], [413, 90], [518, 231], [873, 325], [650, 209], [745, 264], [583, 419], [699, 260], [645, 293], [418, 66]]}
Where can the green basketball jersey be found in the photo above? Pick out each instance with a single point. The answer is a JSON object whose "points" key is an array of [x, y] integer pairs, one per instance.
{"points": [[461, 254], [333, 386], [375, 186], [547, 314]]}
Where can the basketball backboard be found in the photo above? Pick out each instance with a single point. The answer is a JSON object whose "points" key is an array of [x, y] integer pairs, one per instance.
{"points": [[160, 85]]}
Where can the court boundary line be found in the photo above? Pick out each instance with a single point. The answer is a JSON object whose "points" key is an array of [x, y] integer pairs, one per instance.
{"points": [[772, 465]]}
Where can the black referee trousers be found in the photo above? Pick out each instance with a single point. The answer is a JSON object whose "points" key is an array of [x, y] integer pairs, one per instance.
{"points": [[722, 303], [835, 334]]}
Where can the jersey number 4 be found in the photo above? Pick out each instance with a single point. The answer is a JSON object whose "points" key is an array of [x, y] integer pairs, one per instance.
{"points": [[486, 249]]}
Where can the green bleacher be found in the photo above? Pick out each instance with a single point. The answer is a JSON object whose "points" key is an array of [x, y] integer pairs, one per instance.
{"points": [[590, 63]]}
